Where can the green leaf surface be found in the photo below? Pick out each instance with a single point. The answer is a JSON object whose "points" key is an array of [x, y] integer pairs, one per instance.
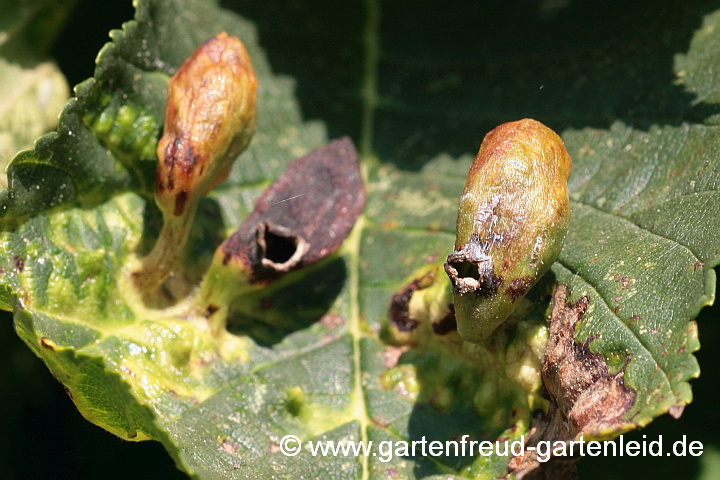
{"points": [[417, 85]]}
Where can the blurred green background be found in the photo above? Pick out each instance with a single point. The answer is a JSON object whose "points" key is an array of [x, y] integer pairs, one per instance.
{"points": [[42, 436]]}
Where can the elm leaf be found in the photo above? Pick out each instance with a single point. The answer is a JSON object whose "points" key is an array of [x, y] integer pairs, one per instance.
{"points": [[416, 86]]}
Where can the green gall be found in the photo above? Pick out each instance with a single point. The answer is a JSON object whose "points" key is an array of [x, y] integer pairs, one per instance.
{"points": [[511, 224]]}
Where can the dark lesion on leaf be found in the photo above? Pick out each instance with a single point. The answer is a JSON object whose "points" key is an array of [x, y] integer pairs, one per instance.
{"points": [[303, 217], [400, 307], [48, 344], [519, 287], [447, 324], [211, 309], [578, 380], [401, 317], [585, 397]]}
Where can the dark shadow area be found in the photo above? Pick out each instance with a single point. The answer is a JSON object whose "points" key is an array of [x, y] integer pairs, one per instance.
{"points": [[207, 232], [448, 72], [80, 40], [290, 304], [320, 45], [42, 435]]}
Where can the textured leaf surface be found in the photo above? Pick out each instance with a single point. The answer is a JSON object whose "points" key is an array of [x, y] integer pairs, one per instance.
{"points": [[417, 85]]}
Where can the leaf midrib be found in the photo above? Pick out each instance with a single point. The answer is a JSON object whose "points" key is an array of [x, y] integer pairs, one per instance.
{"points": [[371, 42]]}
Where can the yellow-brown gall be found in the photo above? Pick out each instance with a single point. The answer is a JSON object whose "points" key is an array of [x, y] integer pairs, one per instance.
{"points": [[511, 225], [209, 120]]}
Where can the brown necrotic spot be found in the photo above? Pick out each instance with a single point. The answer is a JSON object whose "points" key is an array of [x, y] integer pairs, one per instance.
{"points": [[177, 168], [400, 308], [519, 287], [585, 398], [332, 320], [210, 310], [180, 201], [303, 217], [577, 379], [447, 324], [173, 151], [623, 280], [19, 264]]}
